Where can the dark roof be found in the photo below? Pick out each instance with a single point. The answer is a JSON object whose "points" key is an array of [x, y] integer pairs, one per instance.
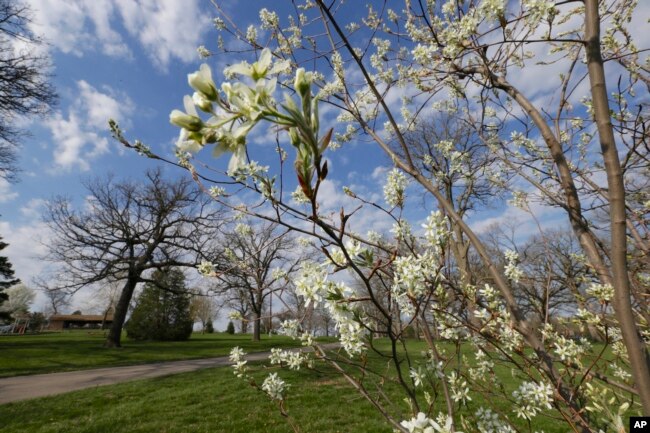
{"points": [[81, 318]]}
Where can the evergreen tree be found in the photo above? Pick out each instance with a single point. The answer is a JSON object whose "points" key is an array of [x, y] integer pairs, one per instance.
{"points": [[162, 311], [6, 279]]}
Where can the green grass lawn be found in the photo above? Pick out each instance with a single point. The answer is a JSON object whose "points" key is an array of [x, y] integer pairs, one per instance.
{"points": [[210, 401], [214, 400], [77, 350]]}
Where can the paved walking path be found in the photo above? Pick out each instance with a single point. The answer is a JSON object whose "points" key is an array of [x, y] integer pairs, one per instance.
{"points": [[41, 385]]}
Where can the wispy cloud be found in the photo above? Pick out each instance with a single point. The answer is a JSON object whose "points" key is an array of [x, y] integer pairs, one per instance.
{"points": [[78, 134], [166, 29], [6, 193]]}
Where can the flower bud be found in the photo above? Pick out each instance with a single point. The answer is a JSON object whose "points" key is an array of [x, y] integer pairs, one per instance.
{"points": [[293, 135], [202, 102], [186, 121], [301, 83], [314, 115], [201, 81]]}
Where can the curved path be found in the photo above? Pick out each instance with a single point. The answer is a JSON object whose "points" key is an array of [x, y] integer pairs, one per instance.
{"points": [[40, 385]]}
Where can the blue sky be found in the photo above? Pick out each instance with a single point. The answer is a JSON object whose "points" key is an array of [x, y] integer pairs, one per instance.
{"points": [[128, 60]]}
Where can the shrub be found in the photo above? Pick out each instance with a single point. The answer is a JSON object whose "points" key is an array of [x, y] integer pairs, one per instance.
{"points": [[162, 311]]}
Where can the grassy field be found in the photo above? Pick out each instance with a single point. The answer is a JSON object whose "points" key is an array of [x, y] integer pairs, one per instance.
{"points": [[76, 350], [214, 400], [211, 401]]}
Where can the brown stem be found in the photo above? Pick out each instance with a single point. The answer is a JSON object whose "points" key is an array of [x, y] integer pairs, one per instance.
{"points": [[638, 355]]}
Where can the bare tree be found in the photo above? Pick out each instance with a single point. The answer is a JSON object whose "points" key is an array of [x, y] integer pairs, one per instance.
{"points": [[237, 300], [57, 297], [24, 86], [449, 153], [204, 308], [127, 230], [254, 264]]}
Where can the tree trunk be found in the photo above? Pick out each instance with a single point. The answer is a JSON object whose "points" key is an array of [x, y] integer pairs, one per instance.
{"points": [[639, 359], [122, 307], [256, 325]]}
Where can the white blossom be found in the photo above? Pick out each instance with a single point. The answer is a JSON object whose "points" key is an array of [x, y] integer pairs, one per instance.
{"points": [[274, 386], [237, 357], [243, 229], [235, 315], [290, 328], [418, 376], [206, 268], [489, 422], [459, 388], [435, 230], [531, 398], [511, 269], [251, 34], [394, 188], [269, 19], [216, 191], [203, 52], [602, 292], [422, 424]]}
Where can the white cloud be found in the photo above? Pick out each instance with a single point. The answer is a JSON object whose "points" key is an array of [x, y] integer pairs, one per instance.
{"points": [[547, 217], [79, 137], [72, 141], [166, 29], [6, 194], [27, 246], [102, 106], [62, 24], [33, 208]]}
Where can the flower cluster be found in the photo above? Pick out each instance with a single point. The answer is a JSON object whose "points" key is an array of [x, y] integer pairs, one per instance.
{"points": [[394, 188], [413, 277], [401, 230], [206, 269], [418, 376], [313, 285], [292, 359], [538, 10], [235, 315], [217, 191], [511, 269], [567, 349], [241, 109], [239, 363], [274, 386], [243, 229], [489, 422], [290, 328], [435, 231], [422, 424], [603, 292], [532, 398], [459, 388]]}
